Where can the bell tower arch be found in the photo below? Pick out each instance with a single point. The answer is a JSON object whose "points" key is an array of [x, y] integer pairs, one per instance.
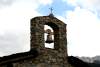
{"points": [[58, 55]]}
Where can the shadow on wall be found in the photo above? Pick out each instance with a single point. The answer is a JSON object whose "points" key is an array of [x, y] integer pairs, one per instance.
{"points": [[76, 62]]}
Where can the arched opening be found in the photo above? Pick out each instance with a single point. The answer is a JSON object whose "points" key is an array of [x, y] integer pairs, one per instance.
{"points": [[55, 35], [48, 43]]}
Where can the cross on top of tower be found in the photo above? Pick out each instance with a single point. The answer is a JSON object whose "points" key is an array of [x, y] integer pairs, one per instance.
{"points": [[51, 9], [51, 12]]}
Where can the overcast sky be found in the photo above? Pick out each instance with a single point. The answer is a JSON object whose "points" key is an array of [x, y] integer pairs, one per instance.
{"points": [[81, 16]]}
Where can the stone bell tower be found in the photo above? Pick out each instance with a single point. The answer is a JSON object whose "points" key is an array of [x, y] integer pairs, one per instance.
{"points": [[56, 57]]}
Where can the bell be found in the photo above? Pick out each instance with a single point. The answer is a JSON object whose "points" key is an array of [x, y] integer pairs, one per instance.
{"points": [[49, 39]]}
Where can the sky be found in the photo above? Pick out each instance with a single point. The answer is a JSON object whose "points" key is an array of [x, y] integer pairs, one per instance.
{"points": [[81, 16]]}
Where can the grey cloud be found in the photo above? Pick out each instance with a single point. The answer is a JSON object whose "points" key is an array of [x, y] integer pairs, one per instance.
{"points": [[6, 2], [12, 43]]}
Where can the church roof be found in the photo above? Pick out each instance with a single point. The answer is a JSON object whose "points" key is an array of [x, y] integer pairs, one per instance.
{"points": [[18, 57]]}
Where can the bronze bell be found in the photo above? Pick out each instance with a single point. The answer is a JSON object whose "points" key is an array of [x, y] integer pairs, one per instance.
{"points": [[49, 36], [49, 39]]}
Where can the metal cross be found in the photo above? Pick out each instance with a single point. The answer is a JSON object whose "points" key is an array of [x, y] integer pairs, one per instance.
{"points": [[51, 9]]}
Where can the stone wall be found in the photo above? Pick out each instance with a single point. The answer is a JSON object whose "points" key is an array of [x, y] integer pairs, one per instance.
{"points": [[50, 58]]}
